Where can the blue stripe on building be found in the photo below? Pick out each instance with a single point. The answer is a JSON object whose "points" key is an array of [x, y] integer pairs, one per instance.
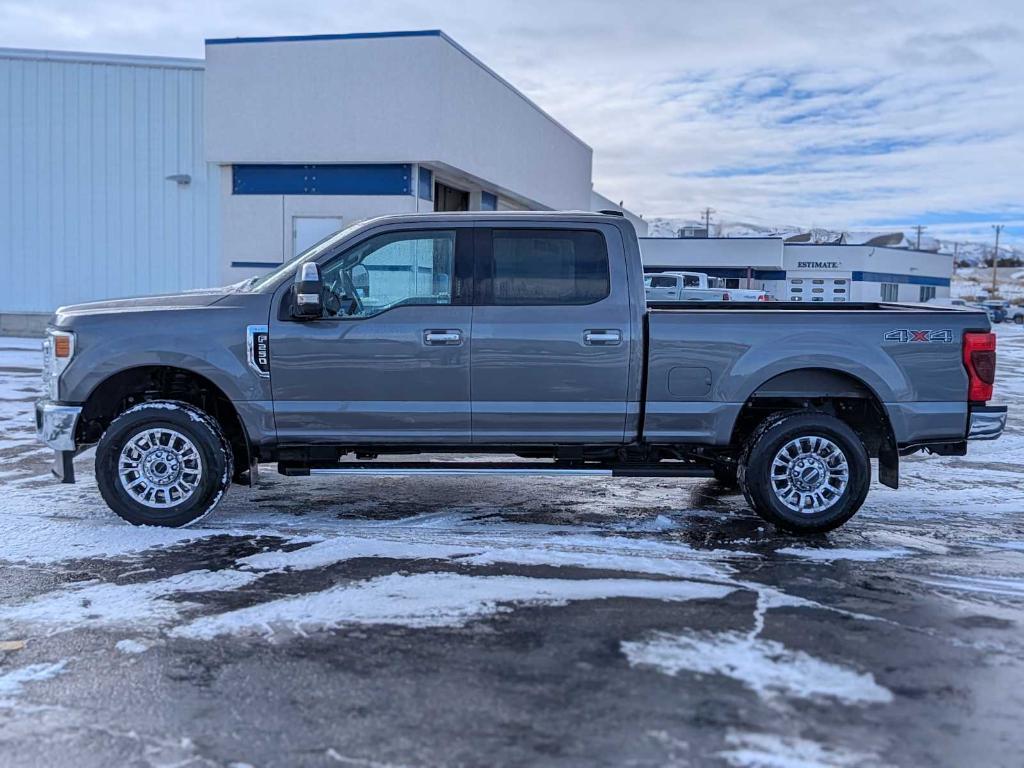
{"points": [[256, 264], [361, 179], [887, 277]]}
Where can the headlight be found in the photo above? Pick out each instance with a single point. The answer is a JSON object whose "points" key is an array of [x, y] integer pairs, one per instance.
{"points": [[58, 349]]}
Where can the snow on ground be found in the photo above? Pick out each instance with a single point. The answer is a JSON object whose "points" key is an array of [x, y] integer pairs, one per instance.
{"points": [[13, 682], [765, 750], [302, 557], [765, 666], [50, 523]]}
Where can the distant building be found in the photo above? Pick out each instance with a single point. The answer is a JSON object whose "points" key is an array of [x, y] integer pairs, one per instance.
{"points": [[693, 231], [807, 272]]}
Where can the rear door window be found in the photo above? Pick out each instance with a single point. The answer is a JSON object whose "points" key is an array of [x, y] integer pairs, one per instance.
{"points": [[544, 267]]}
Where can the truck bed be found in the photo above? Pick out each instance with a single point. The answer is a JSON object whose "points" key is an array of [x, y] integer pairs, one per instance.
{"points": [[797, 306], [706, 360]]}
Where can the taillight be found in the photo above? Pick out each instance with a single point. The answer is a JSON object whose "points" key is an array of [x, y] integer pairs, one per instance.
{"points": [[762, 297], [980, 362]]}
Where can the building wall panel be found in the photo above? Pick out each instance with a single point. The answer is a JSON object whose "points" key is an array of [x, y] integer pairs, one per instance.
{"points": [[86, 211]]}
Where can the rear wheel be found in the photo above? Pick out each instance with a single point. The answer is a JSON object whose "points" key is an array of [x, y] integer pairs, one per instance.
{"points": [[163, 463], [1018, 319], [805, 472]]}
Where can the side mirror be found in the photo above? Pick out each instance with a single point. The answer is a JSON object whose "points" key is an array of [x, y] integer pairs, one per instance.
{"points": [[308, 292]]}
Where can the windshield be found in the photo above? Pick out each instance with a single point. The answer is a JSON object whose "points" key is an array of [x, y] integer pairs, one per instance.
{"points": [[258, 282]]}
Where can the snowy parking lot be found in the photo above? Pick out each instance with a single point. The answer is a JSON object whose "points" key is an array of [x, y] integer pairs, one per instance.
{"points": [[487, 621]]}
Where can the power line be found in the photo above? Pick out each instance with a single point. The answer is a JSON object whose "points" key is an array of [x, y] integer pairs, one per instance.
{"points": [[707, 220], [995, 257]]}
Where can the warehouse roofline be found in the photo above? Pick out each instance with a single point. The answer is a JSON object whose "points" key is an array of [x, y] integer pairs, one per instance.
{"points": [[159, 62], [865, 245], [398, 34]]}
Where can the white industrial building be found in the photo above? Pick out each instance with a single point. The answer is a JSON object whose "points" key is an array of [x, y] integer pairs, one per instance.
{"points": [[128, 175], [806, 272]]}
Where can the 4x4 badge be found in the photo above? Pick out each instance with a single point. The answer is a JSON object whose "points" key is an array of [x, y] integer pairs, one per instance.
{"points": [[906, 336]]}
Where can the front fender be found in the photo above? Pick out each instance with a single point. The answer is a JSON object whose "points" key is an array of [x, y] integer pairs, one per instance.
{"points": [[210, 341]]}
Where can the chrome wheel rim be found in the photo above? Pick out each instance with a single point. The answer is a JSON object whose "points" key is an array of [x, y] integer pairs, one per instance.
{"points": [[809, 474], [160, 468]]}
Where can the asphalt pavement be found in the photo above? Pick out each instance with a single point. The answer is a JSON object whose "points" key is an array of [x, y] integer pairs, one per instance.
{"points": [[446, 621]]}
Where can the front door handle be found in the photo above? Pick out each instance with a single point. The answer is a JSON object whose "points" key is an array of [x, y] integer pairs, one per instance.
{"points": [[602, 338], [443, 338]]}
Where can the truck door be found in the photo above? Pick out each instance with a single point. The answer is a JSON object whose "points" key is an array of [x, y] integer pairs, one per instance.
{"points": [[551, 335], [391, 365]]}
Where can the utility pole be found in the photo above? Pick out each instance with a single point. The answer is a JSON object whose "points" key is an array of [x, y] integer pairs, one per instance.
{"points": [[995, 258], [919, 229], [956, 256], [707, 220]]}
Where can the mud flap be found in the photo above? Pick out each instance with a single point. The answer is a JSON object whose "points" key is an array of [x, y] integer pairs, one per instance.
{"points": [[63, 466], [888, 463], [249, 476]]}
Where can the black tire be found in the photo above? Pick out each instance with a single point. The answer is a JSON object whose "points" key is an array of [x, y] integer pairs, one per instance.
{"points": [[212, 456], [758, 486], [725, 474], [1019, 319]]}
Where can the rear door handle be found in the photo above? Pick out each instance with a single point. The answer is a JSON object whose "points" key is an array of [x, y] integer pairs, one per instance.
{"points": [[602, 338], [443, 338]]}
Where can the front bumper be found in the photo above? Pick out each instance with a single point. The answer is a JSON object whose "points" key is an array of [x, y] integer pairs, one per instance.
{"points": [[987, 422], [55, 427]]}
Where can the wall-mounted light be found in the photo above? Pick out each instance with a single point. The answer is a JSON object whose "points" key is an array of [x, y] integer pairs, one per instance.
{"points": [[181, 179]]}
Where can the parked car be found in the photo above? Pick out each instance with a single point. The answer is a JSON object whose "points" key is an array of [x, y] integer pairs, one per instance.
{"points": [[682, 286], [1015, 313], [996, 310], [945, 301], [498, 334], [696, 286]]}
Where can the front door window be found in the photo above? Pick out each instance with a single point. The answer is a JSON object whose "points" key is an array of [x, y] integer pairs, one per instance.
{"points": [[391, 270]]}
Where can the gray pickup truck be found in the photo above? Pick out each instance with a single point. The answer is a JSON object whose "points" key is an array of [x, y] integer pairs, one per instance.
{"points": [[524, 338]]}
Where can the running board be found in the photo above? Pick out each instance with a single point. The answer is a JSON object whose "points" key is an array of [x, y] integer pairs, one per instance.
{"points": [[398, 469]]}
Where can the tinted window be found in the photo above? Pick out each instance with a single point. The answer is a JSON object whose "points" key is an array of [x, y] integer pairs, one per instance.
{"points": [[546, 267], [661, 282], [691, 281]]}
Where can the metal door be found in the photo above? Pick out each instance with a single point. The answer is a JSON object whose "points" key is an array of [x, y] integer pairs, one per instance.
{"points": [[393, 366], [551, 336]]}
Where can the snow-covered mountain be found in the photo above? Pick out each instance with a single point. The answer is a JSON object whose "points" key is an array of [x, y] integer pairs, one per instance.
{"points": [[973, 253]]}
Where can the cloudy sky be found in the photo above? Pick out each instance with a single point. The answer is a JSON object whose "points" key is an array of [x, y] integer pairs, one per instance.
{"points": [[834, 113]]}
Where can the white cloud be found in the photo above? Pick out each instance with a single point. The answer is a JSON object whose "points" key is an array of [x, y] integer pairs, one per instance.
{"points": [[828, 113]]}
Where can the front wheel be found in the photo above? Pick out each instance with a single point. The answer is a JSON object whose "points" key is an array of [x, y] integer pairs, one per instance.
{"points": [[163, 463], [805, 472]]}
